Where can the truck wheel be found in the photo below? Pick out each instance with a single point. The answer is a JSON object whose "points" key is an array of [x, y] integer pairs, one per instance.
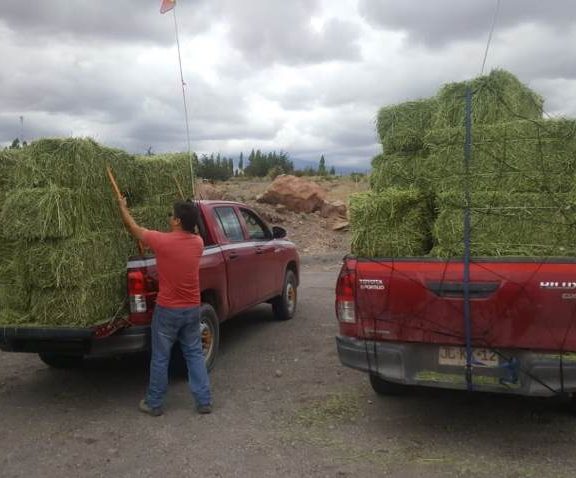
{"points": [[284, 306], [383, 387], [210, 333], [55, 360]]}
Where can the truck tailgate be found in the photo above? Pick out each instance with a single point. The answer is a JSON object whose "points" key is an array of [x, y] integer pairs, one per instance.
{"points": [[514, 303]]}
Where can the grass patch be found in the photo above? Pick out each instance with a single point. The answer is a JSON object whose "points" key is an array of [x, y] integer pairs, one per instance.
{"points": [[336, 408]]}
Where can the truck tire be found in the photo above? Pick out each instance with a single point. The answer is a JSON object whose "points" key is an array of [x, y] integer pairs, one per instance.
{"points": [[55, 360], [284, 306], [210, 333], [383, 387]]}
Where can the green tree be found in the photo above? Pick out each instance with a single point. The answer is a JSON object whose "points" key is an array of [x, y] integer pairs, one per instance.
{"points": [[241, 162], [332, 171], [322, 167]]}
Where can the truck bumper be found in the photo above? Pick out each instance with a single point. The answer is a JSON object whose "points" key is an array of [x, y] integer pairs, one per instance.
{"points": [[519, 372], [74, 341]]}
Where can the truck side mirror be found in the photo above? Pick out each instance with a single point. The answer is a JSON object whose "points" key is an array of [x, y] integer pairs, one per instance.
{"points": [[278, 232]]}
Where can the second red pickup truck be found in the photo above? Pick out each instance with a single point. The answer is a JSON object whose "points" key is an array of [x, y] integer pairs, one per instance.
{"points": [[403, 322], [245, 263]]}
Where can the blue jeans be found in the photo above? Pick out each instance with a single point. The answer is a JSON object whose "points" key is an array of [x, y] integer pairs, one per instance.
{"points": [[168, 326]]}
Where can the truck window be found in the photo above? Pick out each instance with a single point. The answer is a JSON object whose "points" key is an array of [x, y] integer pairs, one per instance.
{"points": [[257, 230], [229, 223]]}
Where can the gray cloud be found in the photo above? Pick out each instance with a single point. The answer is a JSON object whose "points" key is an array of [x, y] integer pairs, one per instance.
{"points": [[276, 31], [89, 20], [439, 22], [258, 75]]}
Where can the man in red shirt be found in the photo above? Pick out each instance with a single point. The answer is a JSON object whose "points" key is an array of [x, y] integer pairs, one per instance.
{"points": [[177, 312]]}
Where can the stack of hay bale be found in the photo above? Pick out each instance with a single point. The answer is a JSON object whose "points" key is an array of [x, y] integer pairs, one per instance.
{"points": [[521, 177], [163, 179], [67, 247]]}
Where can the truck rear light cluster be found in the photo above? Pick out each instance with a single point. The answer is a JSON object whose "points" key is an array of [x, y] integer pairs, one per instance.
{"points": [[345, 306], [136, 292]]}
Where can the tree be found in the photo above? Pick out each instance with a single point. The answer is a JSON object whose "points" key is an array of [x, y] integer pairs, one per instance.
{"points": [[332, 171], [149, 151], [322, 167], [15, 144], [241, 162]]}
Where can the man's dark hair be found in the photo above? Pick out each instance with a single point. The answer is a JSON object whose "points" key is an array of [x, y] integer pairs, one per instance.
{"points": [[187, 212]]}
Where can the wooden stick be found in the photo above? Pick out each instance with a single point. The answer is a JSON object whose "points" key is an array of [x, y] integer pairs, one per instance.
{"points": [[120, 196], [113, 182]]}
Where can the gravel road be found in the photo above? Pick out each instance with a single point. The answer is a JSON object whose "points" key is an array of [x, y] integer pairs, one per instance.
{"points": [[284, 407]]}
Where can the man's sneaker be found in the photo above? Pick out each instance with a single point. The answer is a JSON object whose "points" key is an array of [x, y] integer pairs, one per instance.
{"points": [[144, 407], [204, 409]]}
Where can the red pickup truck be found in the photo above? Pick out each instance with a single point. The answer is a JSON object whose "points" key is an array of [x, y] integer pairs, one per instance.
{"points": [[510, 328], [245, 263]]}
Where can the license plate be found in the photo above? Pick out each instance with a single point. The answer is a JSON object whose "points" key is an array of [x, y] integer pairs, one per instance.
{"points": [[457, 356]]}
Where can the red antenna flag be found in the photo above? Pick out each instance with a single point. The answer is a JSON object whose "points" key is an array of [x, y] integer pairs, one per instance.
{"points": [[167, 5]]}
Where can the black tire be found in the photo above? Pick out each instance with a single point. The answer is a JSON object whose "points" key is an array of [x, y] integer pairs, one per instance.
{"points": [[60, 361], [383, 387], [284, 306], [210, 330]]}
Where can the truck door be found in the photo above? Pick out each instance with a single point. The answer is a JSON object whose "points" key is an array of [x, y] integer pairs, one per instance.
{"points": [[266, 266], [240, 257]]}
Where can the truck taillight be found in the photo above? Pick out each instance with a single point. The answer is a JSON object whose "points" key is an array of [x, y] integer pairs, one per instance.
{"points": [[345, 296], [136, 292]]}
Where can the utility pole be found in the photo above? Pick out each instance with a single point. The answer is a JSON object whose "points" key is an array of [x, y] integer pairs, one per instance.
{"points": [[22, 130]]}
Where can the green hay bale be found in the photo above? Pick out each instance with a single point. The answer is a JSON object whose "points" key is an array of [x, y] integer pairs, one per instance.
{"points": [[392, 223], [67, 263], [74, 163], [402, 127], [153, 217], [6, 251], [520, 156], [14, 289], [8, 161], [160, 178], [57, 213], [398, 170], [89, 304], [497, 97], [504, 224], [38, 214], [11, 317]]}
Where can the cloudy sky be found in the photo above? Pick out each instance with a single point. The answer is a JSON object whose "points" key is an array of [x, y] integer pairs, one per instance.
{"points": [[305, 76]]}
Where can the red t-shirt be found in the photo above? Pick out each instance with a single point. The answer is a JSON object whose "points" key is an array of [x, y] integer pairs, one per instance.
{"points": [[178, 262]]}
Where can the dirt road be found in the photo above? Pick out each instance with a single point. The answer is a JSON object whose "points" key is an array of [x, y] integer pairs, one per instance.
{"points": [[284, 408]]}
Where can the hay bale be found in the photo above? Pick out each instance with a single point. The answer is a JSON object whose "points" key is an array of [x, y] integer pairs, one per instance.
{"points": [[402, 127], [38, 214], [90, 304], [57, 213], [8, 160], [160, 178], [153, 217], [498, 97], [399, 170], [520, 156], [73, 163], [505, 224], [70, 262], [14, 288], [391, 223], [11, 317]]}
